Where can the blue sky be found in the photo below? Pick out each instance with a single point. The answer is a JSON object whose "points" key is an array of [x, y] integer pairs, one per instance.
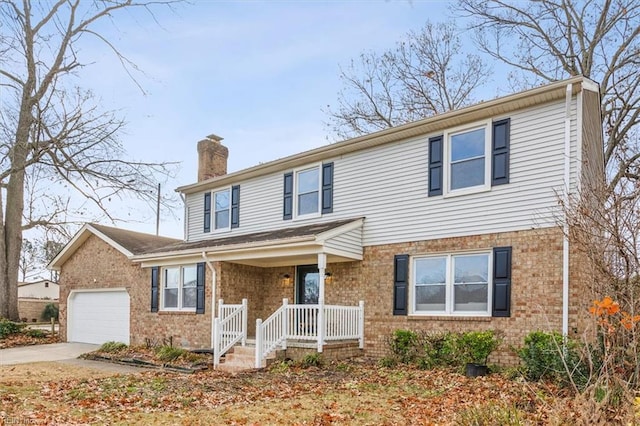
{"points": [[256, 73]]}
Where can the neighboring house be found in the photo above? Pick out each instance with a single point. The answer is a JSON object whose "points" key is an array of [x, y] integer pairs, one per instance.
{"points": [[447, 223], [34, 296], [43, 289]]}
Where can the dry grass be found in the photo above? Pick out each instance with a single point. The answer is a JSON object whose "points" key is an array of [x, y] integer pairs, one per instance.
{"points": [[350, 393]]}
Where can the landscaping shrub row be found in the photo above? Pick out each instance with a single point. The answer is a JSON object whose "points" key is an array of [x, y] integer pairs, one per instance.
{"points": [[429, 350]]}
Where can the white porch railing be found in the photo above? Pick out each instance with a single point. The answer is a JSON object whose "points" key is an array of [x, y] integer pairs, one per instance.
{"points": [[229, 328], [301, 322]]}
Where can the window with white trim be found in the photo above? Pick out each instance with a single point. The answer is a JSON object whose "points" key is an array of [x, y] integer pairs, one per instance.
{"points": [[222, 210], [307, 191], [453, 284], [468, 155], [179, 290]]}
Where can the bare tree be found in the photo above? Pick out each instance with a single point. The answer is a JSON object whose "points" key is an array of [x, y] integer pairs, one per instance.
{"points": [[53, 136], [425, 74], [28, 258], [547, 40]]}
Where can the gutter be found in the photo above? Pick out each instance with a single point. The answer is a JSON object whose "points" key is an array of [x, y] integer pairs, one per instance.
{"points": [[565, 197]]}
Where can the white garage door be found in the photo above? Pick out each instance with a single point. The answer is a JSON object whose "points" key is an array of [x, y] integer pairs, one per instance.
{"points": [[98, 317]]}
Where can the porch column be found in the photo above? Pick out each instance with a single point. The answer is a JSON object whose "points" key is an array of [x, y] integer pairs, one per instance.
{"points": [[322, 266]]}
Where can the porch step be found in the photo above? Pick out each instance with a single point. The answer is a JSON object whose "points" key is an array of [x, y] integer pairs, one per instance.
{"points": [[242, 358]]}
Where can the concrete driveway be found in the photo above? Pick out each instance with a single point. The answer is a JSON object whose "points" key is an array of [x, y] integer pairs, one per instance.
{"points": [[39, 353]]}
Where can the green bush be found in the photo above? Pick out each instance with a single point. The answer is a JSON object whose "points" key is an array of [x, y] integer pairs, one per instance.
{"points": [[50, 311], [388, 362], [311, 360], [548, 356], [112, 347], [404, 345], [34, 332], [170, 353], [440, 349], [8, 327], [478, 345]]}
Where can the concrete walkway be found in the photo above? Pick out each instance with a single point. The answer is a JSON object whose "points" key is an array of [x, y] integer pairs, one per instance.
{"points": [[40, 353]]}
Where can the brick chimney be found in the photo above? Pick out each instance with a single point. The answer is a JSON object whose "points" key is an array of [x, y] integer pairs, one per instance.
{"points": [[212, 158]]}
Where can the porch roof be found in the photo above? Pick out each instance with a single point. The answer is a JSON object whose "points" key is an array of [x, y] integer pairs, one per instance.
{"points": [[340, 240]]}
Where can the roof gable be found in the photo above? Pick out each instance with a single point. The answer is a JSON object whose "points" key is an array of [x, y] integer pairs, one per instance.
{"points": [[129, 243]]}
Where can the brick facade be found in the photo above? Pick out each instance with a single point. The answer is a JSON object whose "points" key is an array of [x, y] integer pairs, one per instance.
{"points": [[97, 264], [536, 293]]}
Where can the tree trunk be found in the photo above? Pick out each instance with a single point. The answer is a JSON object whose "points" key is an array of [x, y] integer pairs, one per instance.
{"points": [[13, 214], [4, 284]]}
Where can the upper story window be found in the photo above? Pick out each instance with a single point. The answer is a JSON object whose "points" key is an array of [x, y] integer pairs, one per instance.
{"points": [[467, 154], [179, 288], [222, 209], [308, 192], [470, 159], [452, 284], [221, 203]]}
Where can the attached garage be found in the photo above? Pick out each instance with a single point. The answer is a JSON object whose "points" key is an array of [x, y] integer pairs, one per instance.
{"points": [[98, 316]]}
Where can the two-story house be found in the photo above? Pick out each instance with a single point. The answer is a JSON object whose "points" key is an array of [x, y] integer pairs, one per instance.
{"points": [[448, 223]]}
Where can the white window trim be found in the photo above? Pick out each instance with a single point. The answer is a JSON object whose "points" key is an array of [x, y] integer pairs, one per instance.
{"points": [[446, 138], [449, 312], [213, 212], [317, 214], [180, 287]]}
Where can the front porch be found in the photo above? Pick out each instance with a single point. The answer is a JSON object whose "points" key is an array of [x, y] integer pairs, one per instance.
{"points": [[267, 271], [302, 326]]}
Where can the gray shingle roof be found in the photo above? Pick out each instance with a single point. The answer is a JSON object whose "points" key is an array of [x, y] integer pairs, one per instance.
{"points": [[135, 242], [278, 234]]}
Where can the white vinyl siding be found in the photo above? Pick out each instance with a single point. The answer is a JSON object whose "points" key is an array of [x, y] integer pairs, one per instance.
{"points": [[388, 186], [349, 242]]}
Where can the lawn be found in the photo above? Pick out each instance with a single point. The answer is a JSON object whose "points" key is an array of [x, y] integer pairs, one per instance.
{"points": [[357, 392]]}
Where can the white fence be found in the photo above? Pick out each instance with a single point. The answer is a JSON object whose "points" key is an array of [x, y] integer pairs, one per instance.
{"points": [[229, 328], [308, 322]]}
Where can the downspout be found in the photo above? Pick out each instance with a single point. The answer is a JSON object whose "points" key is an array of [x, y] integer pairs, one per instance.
{"points": [[565, 196], [213, 294]]}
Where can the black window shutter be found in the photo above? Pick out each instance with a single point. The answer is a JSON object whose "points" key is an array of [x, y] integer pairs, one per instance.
{"points": [[502, 282], [155, 271], [327, 188], [500, 152], [400, 284], [235, 206], [435, 166], [200, 288], [287, 211], [207, 212]]}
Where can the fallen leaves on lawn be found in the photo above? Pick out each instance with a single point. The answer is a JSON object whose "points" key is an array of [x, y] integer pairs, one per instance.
{"points": [[343, 395], [23, 339]]}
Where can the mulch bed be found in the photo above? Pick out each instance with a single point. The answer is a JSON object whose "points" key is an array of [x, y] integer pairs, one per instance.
{"points": [[142, 356]]}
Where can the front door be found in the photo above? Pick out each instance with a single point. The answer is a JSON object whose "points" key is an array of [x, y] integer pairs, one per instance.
{"points": [[308, 285]]}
